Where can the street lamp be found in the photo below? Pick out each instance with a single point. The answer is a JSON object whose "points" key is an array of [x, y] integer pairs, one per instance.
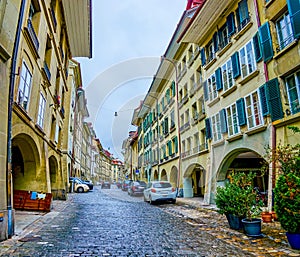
{"points": [[178, 118]]}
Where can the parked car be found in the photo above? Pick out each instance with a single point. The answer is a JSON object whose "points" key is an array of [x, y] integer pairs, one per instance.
{"points": [[136, 187], [119, 184], [159, 191], [105, 185], [89, 183], [78, 185], [125, 184]]}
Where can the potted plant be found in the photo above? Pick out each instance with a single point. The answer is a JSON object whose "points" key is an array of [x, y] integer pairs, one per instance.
{"points": [[227, 201], [239, 198], [287, 189]]}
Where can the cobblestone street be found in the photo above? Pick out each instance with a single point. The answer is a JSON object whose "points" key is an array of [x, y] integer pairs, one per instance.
{"points": [[108, 222]]}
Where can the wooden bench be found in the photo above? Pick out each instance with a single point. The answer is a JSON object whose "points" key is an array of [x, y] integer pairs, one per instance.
{"points": [[28, 200]]}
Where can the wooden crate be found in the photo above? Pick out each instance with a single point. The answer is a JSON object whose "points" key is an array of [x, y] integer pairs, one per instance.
{"points": [[28, 200]]}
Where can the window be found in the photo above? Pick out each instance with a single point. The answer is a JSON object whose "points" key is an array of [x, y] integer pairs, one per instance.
{"points": [[172, 119], [216, 127], [227, 76], [293, 88], [210, 51], [253, 112], [41, 112], [284, 31], [24, 87], [223, 37], [242, 14], [232, 121], [248, 65], [212, 88]]}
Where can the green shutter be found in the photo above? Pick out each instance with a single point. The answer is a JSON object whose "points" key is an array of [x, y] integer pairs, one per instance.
{"points": [[176, 144], [274, 99], [294, 11], [219, 83], [257, 49], [173, 88], [208, 133], [223, 121], [170, 147], [235, 65], [266, 42], [240, 106], [263, 100]]}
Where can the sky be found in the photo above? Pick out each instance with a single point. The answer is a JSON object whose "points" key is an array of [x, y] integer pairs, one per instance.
{"points": [[128, 38]]}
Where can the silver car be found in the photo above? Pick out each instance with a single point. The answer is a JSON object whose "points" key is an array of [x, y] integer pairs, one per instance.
{"points": [[160, 191]]}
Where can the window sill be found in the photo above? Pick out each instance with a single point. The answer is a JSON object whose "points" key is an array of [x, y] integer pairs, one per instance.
{"points": [[224, 49], [4, 55], [218, 143], [229, 91], [234, 137], [256, 130], [286, 49], [243, 30], [213, 102], [208, 65], [249, 77]]}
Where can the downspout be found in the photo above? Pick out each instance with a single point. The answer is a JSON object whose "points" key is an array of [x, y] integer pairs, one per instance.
{"points": [[273, 129], [10, 220]]}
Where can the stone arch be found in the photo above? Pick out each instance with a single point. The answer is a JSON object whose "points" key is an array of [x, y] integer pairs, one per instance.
{"points": [[155, 175], [25, 163], [194, 180], [174, 176], [163, 175]]}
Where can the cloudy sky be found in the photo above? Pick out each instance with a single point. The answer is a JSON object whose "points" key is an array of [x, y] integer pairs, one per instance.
{"points": [[128, 39]]}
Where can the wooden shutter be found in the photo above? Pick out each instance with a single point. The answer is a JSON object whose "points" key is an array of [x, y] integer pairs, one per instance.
{"points": [[208, 129], [203, 59], [235, 65], [266, 42], [294, 11], [263, 100], [223, 121], [205, 90], [219, 82], [257, 48], [230, 24], [274, 99], [240, 106]]}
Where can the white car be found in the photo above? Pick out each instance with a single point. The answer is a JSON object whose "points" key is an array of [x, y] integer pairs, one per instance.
{"points": [[159, 191], [78, 185]]}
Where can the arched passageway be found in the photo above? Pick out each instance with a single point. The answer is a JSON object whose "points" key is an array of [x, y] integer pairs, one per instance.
{"points": [[164, 175]]}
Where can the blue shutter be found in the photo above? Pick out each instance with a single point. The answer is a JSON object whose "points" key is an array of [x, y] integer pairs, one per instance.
{"points": [[243, 11], [208, 129], [274, 99], [266, 42], [240, 106], [235, 65], [263, 100], [294, 11], [223, 121], [205, 90], [230, 24], [219, 79], [203, 59], [257, 50], [215, 41]]}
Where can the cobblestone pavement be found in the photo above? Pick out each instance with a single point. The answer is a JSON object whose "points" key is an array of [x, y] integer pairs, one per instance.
{"points": [[108, 222]]}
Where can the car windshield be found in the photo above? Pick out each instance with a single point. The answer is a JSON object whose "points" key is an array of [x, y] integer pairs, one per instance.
{"points": [[142, 183], [162, 185]]}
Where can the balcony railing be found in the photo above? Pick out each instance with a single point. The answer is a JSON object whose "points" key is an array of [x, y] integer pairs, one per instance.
{"points": [[243, 24], [33, 35]]}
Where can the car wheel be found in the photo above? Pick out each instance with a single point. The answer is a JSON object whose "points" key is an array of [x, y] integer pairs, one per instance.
{"points": [[150, 200], [80, 190], [145, 200], [173, 201]]}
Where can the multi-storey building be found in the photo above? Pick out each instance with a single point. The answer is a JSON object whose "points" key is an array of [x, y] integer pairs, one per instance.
{"points": [[234, 72], [40, 41]]}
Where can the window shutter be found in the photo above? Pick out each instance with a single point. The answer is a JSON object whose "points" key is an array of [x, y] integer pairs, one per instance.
{"points": [[263, 100], [230, 24], [240, 106], [243, 10], [203, 59], [294, 11], [176, 144], [235, 65], [274, 99], [223, 121], [219, 79], [205, 90], [168, 95], [170, 147], [266, 42], [208, 129], [173, 88], [215, 41], [257, 50]]}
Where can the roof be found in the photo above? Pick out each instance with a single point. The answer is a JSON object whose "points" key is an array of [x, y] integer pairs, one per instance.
{"points": [[78, 16]]}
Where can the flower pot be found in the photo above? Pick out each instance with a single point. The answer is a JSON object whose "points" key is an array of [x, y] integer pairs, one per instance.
{"points": [[234, 222], [266, 217], [252, 227], [294, 240]]}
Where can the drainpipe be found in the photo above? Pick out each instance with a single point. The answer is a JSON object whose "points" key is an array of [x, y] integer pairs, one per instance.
{"points": [[272, 129], [10, 220]]}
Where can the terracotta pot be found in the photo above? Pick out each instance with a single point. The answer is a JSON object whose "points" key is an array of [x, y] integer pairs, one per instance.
{"points": [[274, 216], [266, 217]]}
